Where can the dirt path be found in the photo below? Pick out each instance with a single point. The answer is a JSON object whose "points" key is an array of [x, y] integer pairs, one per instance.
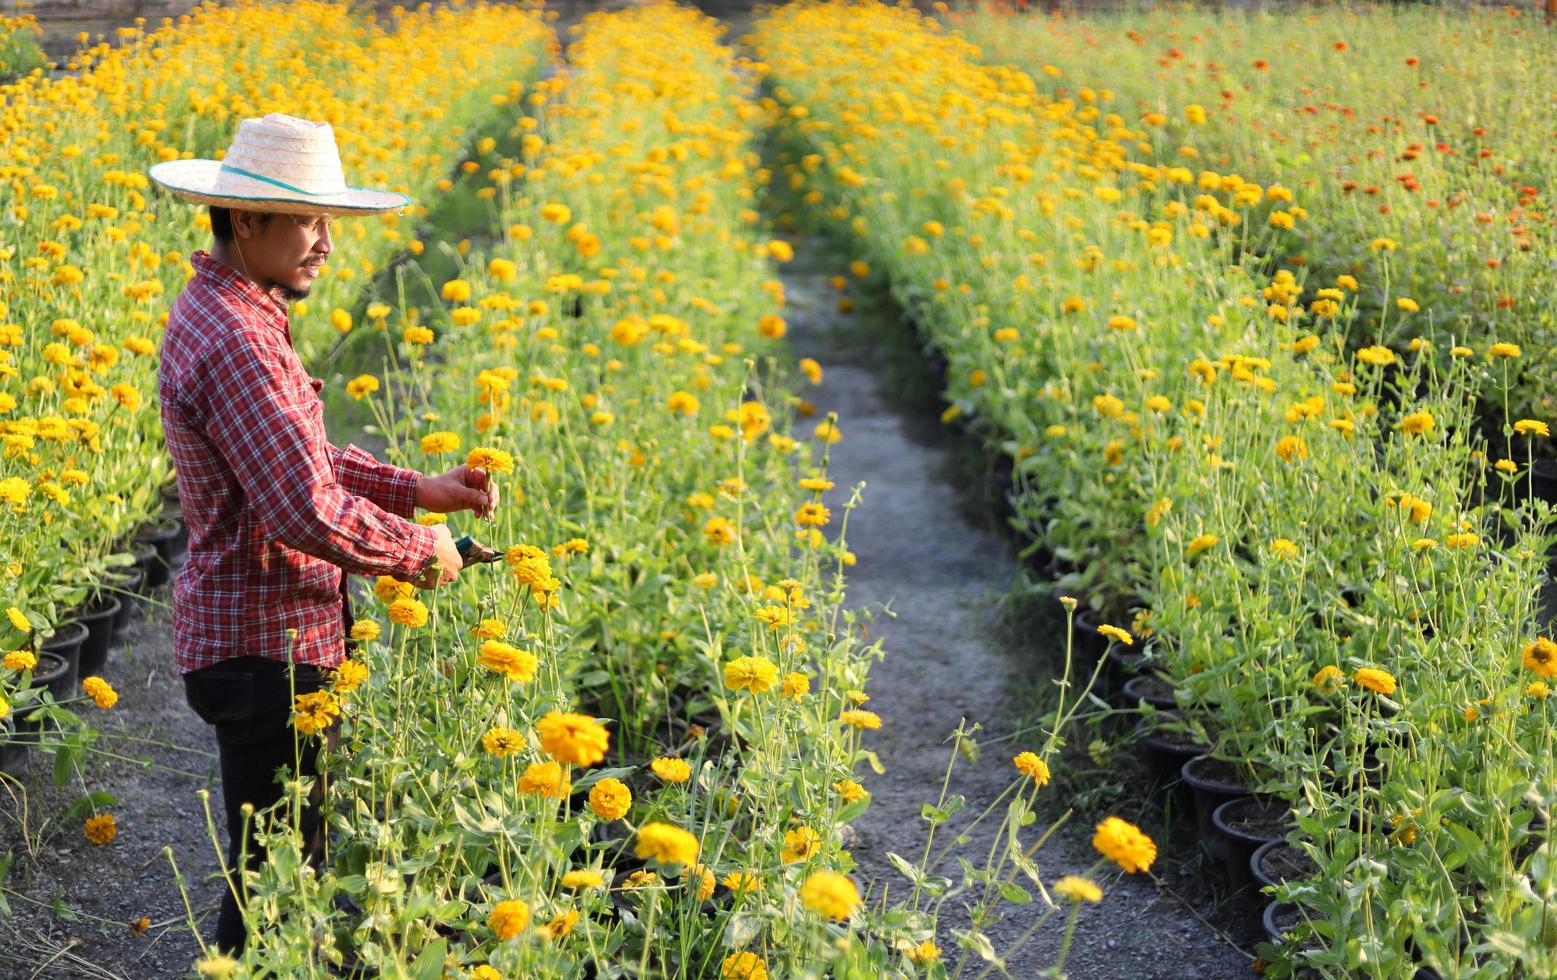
{"points": [[943, 577], [99, 891]]}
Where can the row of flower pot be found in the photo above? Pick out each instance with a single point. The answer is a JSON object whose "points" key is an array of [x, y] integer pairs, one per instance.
{"points": [[79, 647]]}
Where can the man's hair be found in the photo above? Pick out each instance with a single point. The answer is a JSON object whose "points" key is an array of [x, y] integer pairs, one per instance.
{"points": [[221, 223]]}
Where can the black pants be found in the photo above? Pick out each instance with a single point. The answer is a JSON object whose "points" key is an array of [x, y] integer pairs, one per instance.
{"points": [[249, 702]]}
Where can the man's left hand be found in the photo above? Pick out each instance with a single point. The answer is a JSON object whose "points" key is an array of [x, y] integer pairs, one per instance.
{"points": [[462, 488]]}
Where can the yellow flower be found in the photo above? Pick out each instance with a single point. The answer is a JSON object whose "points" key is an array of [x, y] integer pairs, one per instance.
{"points": [[754, 674], [1506, 466], [491, 460], [1406, 304], [1374, 679], [1291, 449], [851, 791], [573, 738], [389, 589], [217, 966], [925, 953], [438, 443], [1417, 423], [743, 966], [860, 718], [583, 878], [1078, 889], [800, 844], [666, 844], [1540, 657], [1504, 350], [671, 769], [510, 661], [610, 799], [99, 691], [1532, 427], [100, 829], [1538, 689], [530, 565], [501, 742], [1283, 548], [1376, 355], [1115, 633], [1203, 542], [18, 619], [364, 630], [830, 894], [545, 779], [1124, 844], [1121, 323], [1158, 510], [1034, 768], [315, 711], [508, 919], [1461, 541], [1329, 679], [812, 515], [350, 675], [19, 660], [408, 612], [719, 530]]}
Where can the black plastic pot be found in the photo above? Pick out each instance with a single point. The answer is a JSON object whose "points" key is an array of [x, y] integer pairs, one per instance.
{"points": [[1277, 861], [1211, 783], [13, 752], [1165, 752], [1244, 825], [98, 618], [56, 675], [1279, 919], [148, 561], [1152, 689], [1125, 663], [126, 585], [66, 645], [180, 545], [160, 535]]}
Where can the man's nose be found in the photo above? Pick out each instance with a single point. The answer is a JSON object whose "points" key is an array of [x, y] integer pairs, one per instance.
{"points": [[322, 244]]}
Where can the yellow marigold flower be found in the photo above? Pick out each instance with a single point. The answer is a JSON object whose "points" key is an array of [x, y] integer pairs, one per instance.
{"points": [[314, 712], [1115, 633], [1424, 544], [1034, 768], [1532, 427], [671, 769], [1374, 679], [573, 738], [491, 460], [583, 878], [18, 619], [719, 530], [364, 630], [217, 966], [1284, 548], [1540, 657], [796, 685], [502, 742], [1382, 245], [20, 660], [545, 779], [925, 953], [1329, 679], [1461, 540], [800, 844], [1107, 406], [705, 580], [408, 612], [100, 692], [851, 791], [1406, 304], [830, 894], [100, 829], [1504, 350], [741, 882], [743, 966], [1158, 510], [438, 443], [508, 919], [861, 719], [610, 799], [418, 336], [1538, 689], [456, 291], [508, 660], [1291, 449], [1376, 355], [1461, 352], [489, 629], [1203, 542], [389, 589], [1121, 322], [530, 565], [350, 675], [666, 844], [812, 515], [1078, 889], [754, 674], [827, 432], [1506, 466], [1418, 423], [1124, 844]]}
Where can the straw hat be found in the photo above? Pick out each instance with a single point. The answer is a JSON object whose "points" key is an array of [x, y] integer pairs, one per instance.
{"points": [[278, 163]]}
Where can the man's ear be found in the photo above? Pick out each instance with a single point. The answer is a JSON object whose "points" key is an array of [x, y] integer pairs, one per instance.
{"points": [[245, 224]]}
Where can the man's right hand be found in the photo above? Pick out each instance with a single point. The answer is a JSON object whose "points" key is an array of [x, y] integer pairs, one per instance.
{"points": [[448, 564]]}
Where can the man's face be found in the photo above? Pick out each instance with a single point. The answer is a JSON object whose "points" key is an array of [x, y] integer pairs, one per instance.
{"points": [[283, 251]]}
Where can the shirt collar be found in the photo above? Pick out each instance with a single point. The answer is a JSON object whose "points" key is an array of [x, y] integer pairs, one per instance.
{"points": [[224, 277]]}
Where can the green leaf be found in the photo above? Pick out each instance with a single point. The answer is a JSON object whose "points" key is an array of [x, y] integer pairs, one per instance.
{"points": [[1012, 892], [429, 966], [909, 871]]}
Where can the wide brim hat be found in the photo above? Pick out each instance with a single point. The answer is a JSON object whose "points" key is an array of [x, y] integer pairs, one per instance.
{"points": [[278, 163]]}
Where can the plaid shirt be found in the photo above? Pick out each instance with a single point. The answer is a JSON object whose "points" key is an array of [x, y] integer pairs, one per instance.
{"points": [[274, 511]]}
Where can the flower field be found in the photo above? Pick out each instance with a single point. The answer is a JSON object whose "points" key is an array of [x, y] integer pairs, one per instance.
{"points": [[1300, 523], [1266, 356]]}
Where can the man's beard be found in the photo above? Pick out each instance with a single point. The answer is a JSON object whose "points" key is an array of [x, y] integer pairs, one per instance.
{"points": [[292, 295]]}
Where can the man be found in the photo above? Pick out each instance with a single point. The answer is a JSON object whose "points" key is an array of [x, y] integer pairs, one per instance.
{"points": [[275, 512]]}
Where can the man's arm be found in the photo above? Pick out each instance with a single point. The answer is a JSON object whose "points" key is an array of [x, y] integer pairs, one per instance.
{"points": [[391, 487], [274, 442]]}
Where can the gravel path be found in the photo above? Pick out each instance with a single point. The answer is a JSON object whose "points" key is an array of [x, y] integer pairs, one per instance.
{"points": [[943, 577], [91, 894]]}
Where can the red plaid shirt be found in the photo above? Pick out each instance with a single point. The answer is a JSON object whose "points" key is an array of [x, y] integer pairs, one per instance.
{"points": [[274, 511]]}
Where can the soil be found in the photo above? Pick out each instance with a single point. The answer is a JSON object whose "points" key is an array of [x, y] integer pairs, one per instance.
{"points": [[1258, 819], [1216, 775], [1286, 863], [937, 575], [1153, 690], [73, 902]]}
